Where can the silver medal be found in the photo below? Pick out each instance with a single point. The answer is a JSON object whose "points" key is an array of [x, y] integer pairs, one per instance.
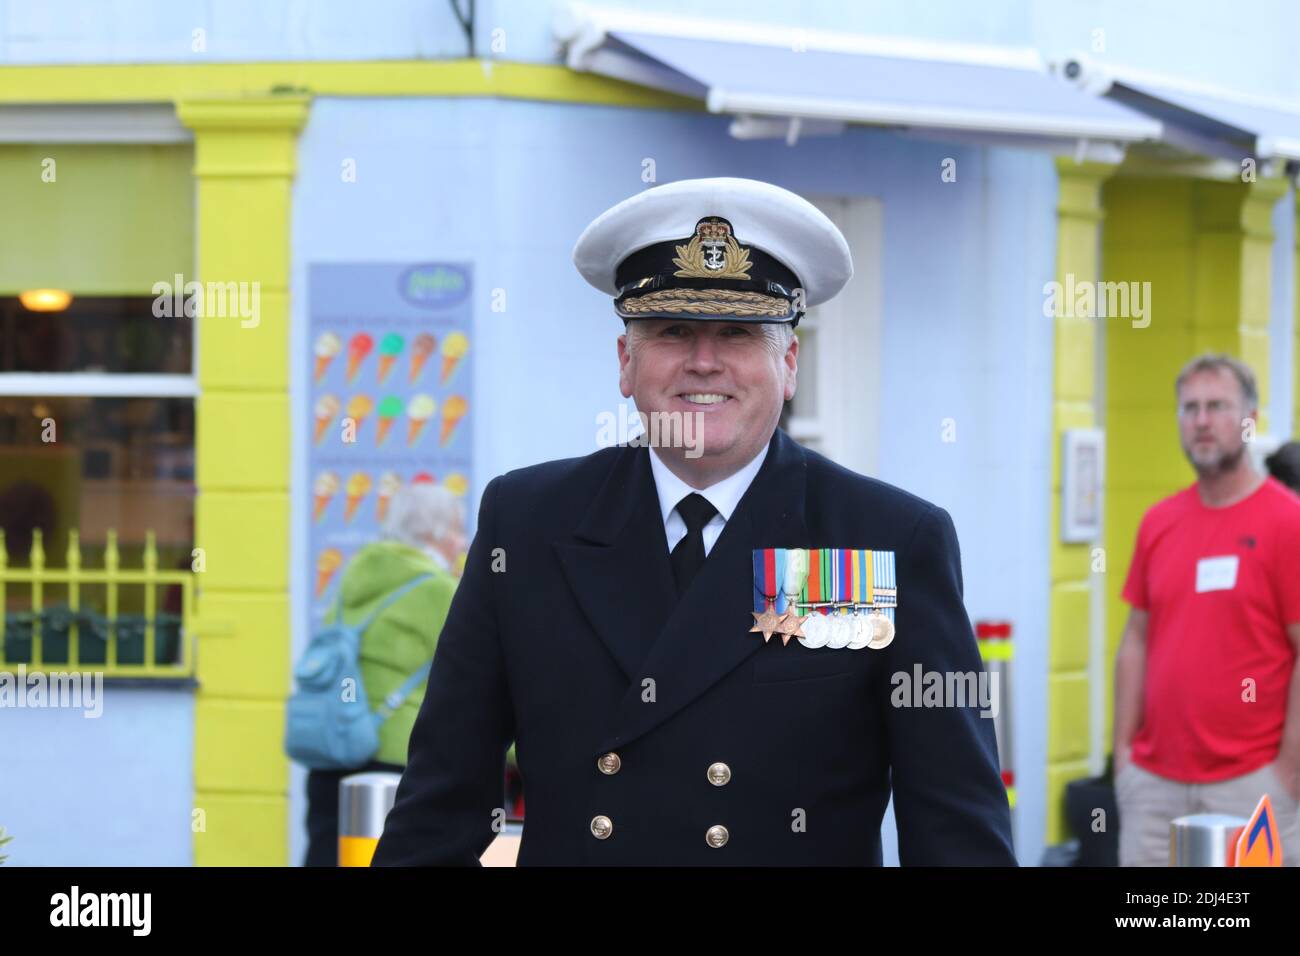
{"points": [[816, 631], [841, 631], [863, 632]]}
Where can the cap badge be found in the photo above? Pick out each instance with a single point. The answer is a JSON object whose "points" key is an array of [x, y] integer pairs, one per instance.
{"points": [[712, 253]]}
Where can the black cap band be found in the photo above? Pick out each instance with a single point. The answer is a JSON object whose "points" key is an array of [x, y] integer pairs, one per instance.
{"points": [[657, 260], [749, 282]]}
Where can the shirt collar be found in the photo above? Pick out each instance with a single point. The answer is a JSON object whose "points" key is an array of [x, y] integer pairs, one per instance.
{"points": [[724, 495]]}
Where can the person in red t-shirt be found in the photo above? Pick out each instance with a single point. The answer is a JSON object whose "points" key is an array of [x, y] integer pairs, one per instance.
{"points": [[1207, 699]]}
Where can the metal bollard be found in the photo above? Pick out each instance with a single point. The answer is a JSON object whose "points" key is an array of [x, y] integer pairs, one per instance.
{"points": [[364, 802], [994, 639], [1204, 839]]}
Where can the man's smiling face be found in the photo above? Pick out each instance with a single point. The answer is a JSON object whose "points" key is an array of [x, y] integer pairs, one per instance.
{"points": [[735, 374]]}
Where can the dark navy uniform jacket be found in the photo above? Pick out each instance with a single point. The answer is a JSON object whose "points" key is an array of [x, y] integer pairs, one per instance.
{"points": [[566, 636]]}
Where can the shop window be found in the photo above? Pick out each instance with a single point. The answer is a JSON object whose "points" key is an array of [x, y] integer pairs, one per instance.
{"points": [[96, 484], [96, 335]]}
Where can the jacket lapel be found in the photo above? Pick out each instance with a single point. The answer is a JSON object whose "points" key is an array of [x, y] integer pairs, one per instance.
{"points": [[706, 635], [617, 566]]}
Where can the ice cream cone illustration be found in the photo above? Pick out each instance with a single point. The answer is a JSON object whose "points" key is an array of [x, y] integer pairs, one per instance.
{"points": [[418, 412], [423, 478], [326, 565], [358, 488], [453, 410], [359, 347], [359, 407], [388, 485], [327, 486], [454, 347], [389, 409], [327, 406], [421, 348], [327, 346], [456, 483], [390, 347]]}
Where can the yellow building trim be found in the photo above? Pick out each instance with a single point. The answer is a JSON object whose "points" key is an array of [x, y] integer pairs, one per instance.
{"points": [[244, 165], [167, 83], [1079, 219]]}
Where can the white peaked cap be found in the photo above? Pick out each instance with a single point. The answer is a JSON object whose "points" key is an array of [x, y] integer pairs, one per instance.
{"points": [[775, 221]]}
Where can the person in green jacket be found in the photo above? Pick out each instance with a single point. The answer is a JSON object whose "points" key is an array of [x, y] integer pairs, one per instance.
{"points": [[423, 534]]}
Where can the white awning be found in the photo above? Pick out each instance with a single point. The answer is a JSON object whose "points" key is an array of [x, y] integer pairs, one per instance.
{"points": [[1197, 117], [766, 73]]}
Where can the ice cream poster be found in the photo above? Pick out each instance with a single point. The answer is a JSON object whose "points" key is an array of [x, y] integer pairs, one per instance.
{"points": [[390, 401]]}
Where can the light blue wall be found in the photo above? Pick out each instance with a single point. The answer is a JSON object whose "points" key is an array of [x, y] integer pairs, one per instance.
{"points": [[510, 185], [162, 31], [1205, 39], [117, 790]]}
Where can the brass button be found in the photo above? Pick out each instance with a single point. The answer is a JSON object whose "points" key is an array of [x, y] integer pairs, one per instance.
{"points": [[719, 774], [602, 827], [609, 764], [717, 836]]}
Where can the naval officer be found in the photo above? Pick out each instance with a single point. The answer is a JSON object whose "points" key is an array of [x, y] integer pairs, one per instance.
{"points": [[698, 647]]}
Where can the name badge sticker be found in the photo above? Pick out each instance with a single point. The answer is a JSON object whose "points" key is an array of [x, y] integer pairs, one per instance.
{"points": [[1216, 574]]}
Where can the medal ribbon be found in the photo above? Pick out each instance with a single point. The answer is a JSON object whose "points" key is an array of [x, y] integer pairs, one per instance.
{"points": [[828, 578], [769, 572], [845, 593], [832, 577], [808, 581], [772, 586], [796, 575], [856, 565]]}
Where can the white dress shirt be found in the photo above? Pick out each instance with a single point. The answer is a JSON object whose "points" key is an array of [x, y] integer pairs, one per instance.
{"points": [[724, 496]]}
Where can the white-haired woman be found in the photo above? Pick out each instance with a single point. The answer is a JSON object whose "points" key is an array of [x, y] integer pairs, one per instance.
{"points": [[423, 535]]}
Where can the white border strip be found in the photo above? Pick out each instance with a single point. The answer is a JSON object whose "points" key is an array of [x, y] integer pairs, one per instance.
{"points": [[98, 385], [113, 123]]}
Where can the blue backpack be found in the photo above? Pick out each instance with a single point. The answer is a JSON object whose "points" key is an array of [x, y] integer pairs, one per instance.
{"points": [[323, 729]]}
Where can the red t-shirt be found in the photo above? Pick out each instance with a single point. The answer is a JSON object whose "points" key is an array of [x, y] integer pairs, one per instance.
{"points": [[1220, 585]]}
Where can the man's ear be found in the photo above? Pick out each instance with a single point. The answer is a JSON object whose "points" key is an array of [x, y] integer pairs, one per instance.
{"points": [[791, 360], [624, 359]]}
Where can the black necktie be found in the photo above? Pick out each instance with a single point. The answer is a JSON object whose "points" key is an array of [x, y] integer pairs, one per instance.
{"points": [[688, 556]]}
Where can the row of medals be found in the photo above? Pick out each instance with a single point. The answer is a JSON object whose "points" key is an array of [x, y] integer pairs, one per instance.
{"points": [[847, 626]]}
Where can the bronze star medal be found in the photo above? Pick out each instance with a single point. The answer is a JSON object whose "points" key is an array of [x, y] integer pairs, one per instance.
{"points": [[767, 623], [791, 626]]}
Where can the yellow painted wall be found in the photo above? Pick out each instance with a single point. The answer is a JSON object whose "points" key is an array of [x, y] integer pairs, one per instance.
{"points": [[1079, 222], [1205, 247], [174, 83]]}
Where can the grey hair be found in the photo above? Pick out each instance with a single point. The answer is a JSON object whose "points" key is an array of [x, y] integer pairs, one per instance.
{"points": [[1215, 361], [420, 514], [778, 334]]}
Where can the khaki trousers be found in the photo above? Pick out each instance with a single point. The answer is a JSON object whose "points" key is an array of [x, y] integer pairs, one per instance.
{"points": [[1149, 803]]}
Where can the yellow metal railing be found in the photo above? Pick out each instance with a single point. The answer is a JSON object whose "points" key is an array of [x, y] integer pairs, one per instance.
{"points": [[104, 642]]}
